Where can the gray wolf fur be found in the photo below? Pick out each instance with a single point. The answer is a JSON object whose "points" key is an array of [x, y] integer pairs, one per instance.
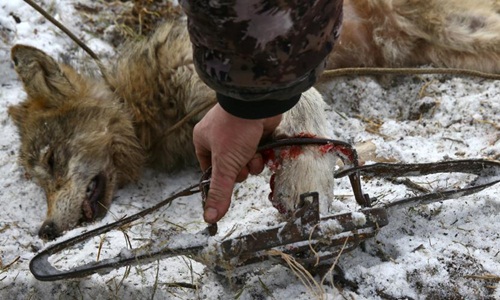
{"points": [[82, 137]]}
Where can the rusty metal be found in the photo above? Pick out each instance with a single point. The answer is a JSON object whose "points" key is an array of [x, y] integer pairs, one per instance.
{"points": [[309, 229], [303, 236], [480, 167]]}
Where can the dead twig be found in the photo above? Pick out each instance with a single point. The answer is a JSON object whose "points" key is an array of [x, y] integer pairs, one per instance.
{"points": [[422, 91], [157, 275], [4, 268], [189, 116], [102, 238], [63, 28], [73, 37], [180, 285], [184, 120], [330, 74], [489, 277], [410, 184]]}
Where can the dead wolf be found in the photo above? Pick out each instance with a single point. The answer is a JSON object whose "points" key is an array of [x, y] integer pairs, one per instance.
{"points": [[83, 137]]}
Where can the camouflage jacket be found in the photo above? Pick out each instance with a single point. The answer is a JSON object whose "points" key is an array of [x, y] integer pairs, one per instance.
{"points": [[260, 55]]}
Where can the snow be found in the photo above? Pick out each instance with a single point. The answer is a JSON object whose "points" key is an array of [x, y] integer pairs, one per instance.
{"points": [[438, 251]]}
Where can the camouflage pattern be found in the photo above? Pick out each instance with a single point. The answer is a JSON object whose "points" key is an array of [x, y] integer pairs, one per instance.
{"points": [[262, 49]]}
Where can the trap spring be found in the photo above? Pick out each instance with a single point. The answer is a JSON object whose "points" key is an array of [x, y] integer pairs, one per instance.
{"points": [[313, 241]]}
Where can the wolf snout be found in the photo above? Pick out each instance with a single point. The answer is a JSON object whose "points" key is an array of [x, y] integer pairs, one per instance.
{"points": [[48, 231]]}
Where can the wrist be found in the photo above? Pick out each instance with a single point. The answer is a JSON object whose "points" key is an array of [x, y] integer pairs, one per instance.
{"points": [[256, 109]]}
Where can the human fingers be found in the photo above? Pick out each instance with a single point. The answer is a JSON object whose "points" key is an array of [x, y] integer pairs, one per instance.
{"points": [[254, 167], [256, 164], [228, 144], [243, 175]]}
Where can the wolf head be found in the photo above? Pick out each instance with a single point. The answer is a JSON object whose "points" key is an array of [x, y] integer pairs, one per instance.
{"points": [[77, 140]]}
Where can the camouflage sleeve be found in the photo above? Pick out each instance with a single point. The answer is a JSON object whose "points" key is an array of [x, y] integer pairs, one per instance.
{"points": [[260, 55]]}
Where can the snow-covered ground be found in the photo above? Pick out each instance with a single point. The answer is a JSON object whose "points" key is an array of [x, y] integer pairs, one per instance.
{"points": [[448, 250]]}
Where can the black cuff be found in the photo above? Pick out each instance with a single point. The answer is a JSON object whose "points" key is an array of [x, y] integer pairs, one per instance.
{"points": [[256, 109]]}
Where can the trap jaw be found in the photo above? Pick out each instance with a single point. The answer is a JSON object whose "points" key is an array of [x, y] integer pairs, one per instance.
{"points": [[312, 241], [305, 235], [342, 150]]}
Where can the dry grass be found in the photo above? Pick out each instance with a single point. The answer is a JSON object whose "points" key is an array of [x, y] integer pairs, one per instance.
{"points": [[302, 274], [120, 21], [373, 125], [8, 265]]}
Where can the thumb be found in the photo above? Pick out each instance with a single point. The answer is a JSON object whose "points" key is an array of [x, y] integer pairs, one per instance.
{"points": [[219, 194]]}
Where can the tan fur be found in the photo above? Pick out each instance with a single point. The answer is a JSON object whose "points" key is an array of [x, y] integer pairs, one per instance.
{"points": [[157, 81], [76, 130], [403, 33]]}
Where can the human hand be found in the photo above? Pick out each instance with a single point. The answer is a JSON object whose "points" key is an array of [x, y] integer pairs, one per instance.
{"points": [[229, 145]]}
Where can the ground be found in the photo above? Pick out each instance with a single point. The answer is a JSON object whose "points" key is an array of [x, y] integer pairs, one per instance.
{"points": [[445, 250]]}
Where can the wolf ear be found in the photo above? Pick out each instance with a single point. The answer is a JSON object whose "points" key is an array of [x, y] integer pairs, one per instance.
{"points": [[43, 79]]}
